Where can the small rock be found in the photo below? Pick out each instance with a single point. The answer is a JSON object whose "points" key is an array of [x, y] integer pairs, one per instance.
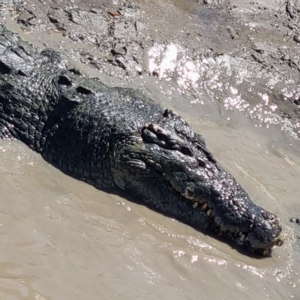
{"points": [[139, 25], [139, 70], [297, 101], [297, 38], [119, 51], [295, 220]]}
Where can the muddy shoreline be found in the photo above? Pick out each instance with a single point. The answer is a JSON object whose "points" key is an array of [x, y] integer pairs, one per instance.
{"points": [[242, 55]]}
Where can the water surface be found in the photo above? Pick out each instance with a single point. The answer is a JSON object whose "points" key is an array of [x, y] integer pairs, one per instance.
{"points": [[63, 239]]}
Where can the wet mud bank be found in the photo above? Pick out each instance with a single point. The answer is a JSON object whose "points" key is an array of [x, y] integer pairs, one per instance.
{"points": [[243, 55]]}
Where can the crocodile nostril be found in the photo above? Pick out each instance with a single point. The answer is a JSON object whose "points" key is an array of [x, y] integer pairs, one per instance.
{"points": [[268, 216]]}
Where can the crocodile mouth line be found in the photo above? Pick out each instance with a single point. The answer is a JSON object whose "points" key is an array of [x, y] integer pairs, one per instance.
{"points": [[238, 237]]}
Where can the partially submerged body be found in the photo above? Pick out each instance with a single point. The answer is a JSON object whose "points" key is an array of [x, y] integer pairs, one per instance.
{"points": [[114, 137]]}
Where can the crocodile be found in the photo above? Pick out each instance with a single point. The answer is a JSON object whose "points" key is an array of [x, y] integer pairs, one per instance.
{"points": [[118, 139]]}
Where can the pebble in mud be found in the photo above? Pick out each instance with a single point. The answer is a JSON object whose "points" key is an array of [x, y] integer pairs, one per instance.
{"points": [[295, 220], [297, 38]]}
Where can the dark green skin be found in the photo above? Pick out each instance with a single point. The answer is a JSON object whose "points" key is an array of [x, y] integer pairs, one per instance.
{"points": [[117, 138]]}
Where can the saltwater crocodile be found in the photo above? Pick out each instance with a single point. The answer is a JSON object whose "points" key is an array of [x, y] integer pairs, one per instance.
{"points": [[117, 138]]}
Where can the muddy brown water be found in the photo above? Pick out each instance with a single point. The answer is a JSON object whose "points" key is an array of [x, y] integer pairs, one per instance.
{"points": [[63, 239]]}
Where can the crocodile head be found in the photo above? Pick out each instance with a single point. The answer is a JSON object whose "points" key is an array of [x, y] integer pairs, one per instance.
{"points": [[167, 166]]}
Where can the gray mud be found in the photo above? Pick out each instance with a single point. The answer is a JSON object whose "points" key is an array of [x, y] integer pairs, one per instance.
{"points": [[231, 68], [243, 55]]}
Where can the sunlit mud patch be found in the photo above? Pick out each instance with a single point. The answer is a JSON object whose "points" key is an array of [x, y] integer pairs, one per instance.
{"points": [[237, 83], [171, 61]]}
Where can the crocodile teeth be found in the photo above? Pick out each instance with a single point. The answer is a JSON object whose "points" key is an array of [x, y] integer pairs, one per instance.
{"points": [[279, 243], [242, 238], [203, 207], [208, 213], [195, 204]]}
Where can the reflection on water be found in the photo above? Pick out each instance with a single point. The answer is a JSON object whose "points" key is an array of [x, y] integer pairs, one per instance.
{"points": [[63, 239], [232, 81]]}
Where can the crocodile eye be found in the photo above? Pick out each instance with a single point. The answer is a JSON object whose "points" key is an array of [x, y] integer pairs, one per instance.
{"points": [[186, 151]]}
